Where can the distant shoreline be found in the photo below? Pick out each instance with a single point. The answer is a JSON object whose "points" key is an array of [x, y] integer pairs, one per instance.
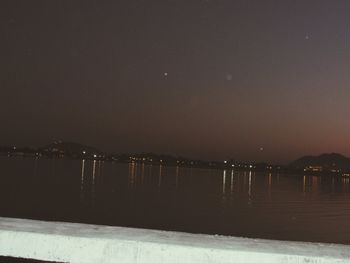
{"points": [[203, 165]]}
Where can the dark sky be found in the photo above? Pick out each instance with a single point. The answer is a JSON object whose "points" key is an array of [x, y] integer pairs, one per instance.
{"points": [[209, 79]]}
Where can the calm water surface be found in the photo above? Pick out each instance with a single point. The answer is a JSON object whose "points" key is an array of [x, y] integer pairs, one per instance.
{"points": [[262, 205]]}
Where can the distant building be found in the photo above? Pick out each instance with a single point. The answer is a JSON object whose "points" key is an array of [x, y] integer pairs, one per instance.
{"points": [[312, 168]]}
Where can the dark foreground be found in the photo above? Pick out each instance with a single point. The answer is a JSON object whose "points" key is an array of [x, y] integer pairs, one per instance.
{"points": [[21, 260]]}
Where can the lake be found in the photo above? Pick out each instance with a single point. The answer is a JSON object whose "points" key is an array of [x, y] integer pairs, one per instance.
{"points": [[223, 202]]}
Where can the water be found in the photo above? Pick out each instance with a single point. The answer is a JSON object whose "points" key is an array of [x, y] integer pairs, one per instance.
{"points": [[248, 204]]}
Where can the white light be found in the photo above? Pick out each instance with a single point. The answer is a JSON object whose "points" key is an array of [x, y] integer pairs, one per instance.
{"points": [[225, 162], [84, 152], [95, 155]]}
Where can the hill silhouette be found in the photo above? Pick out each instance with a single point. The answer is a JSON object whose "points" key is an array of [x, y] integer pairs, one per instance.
{"points": [[70, 148], [326, 160]]}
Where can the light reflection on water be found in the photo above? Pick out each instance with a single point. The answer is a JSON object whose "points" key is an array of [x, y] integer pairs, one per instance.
{"points": [[230, 202], [82, 180], [160, 176], [224, 182]]}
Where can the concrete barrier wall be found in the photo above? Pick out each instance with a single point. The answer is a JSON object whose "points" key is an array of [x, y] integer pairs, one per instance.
{"points": [[80, 243]]}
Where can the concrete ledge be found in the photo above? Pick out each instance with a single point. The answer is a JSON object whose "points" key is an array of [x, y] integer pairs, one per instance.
{"points": [[80, 243]]}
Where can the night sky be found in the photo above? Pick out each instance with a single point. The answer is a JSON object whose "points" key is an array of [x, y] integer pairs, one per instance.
{"points": [[215, 79]]}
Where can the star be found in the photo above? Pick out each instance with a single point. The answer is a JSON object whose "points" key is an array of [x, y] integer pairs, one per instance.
{"points": [[229, 77]]}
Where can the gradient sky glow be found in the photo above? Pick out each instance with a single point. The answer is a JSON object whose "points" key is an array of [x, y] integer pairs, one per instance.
{"points": [[208, 79]]}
